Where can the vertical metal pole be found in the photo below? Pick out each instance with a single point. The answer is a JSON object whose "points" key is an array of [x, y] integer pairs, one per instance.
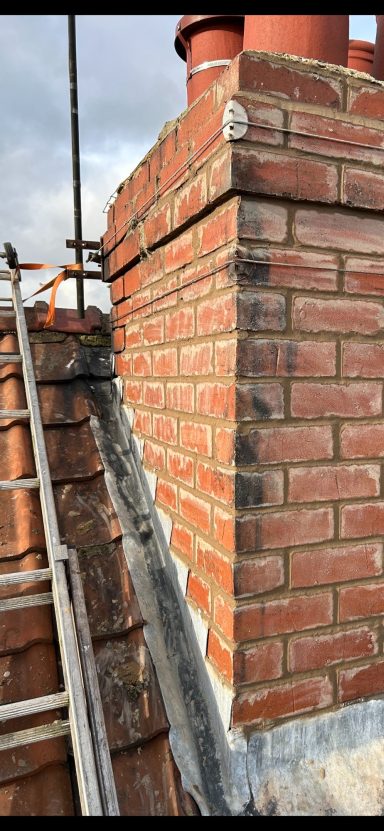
{"points": [[72, 62]]}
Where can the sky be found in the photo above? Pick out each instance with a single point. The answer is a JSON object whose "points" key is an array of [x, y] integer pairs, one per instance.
{"points": [[130, 82]]}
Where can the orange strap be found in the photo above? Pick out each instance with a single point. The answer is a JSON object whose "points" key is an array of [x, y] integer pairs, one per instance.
{"points": [[54, 284]]}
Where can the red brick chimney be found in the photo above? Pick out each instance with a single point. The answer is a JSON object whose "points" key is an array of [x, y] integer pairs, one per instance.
{"points": [[247, 280]]}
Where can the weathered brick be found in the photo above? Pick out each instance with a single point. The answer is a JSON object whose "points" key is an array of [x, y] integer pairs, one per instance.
{"points": [[165, 428], [224, 616], [280, 174], [335, 229], [214, 565], [142, 422], [225, 529], [153, 394], [153, 330], [275, 617], [190, 199], [200, 592], [194, 510], [363, 189], [286, 358], [196, 437], [291, 699], [288, 82], [217, 400], [257, 311], [220, 655], [336, 565], [182, 539], [165, 362], [216, 315], [154, 455], [132, 281], [220, 176], [225, 445], [254, 490], [180, 324], [166, 493], [364, 276], [259, 220], [133, 335], [348, 136], [196, 359], [181, 397], [316, 484], [117, 290], [311, 315], [361, 601], [361, 441], [180, 466], [259, 575], [325, 650], [361, 681], [259, 402], [261, 663], [123, 364], [179, 252], [364, 360], [348, 401], [365, 520], [218, 229], [285, 268], [366, 100], [283, 529], [216, 482], [284, 444], [158, 224], [142, 363], [225, 357], [118, 340], [132, 392]]}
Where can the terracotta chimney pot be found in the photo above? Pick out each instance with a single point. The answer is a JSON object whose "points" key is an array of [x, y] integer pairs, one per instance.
{"points": [[378, 60], [360, 55], [323, 37], [208, 43]]}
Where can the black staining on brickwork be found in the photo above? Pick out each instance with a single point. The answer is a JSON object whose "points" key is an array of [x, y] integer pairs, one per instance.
{"points": [[290, 357], [248, 490], [247, 448], [251, 403]]}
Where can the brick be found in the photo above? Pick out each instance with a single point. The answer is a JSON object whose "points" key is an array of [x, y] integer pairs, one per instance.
{"points": [[180, 467], [142, 364], [258, 312], [220, 655], [190, 199], [254, 490], [258, 575], [218, 229], [179, 252], [117, 290], [158, 224], [170, 297], [335, 565], [214, 565], [123, 364], [118, 340], [216, 315], [166, 493], [223, 616], [151, 267], [259, 402], [153, 330], [347, 401], [132, 281], [283, 529], [263, 114], [133, 335], [359, 441], [334, 229], [165, 362], [121, 314], [362, 520], [201, 109], [218, 483], [132, 392], [196, 437], [261, 663], [363, 276], [363, 189], [347, 134], [325, 650], [311, 315], [288, 82], [225, 529], [180, 324], [316, 484], [194, 510], [217, 400], [153, 394], [196, 360], [364, 360], [366, 100], [225, 357], [220, 176], [284, 444], [284, 268], [154, 455], [165, 428], [225, 445], [361, 681], [276, 617], [280, 174], [361, 601], [291, 699], [142, 422], [128, 250], [259, 220], [141, 304], [284, 358], [199, 284], [181, 397], [182, 539]]}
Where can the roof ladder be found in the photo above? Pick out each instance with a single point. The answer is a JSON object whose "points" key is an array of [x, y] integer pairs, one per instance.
{"points": [[81, 697]]}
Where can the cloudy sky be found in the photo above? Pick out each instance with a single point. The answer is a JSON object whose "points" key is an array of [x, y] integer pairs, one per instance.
{"points": [[130, 82]]}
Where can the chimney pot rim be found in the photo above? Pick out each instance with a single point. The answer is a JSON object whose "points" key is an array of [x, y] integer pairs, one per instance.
{"points": [[188, 22]]}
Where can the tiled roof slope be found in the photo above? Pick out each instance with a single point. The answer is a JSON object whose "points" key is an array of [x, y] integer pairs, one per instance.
{"points": [[35, 780]]}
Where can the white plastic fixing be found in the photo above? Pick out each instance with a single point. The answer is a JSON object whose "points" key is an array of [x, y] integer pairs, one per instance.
{"points": [[235, 121]]}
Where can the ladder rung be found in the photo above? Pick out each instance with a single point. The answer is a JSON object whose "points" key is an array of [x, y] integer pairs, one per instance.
{"points": [[23, 602], [6, 300], [14, 414], [25, 576], [18, 484], [7, 313], [30, 706], [10, 359], [35, 734], [5, 275]]}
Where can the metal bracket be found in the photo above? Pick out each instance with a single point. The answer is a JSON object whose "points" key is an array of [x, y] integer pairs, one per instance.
{"points": [[60, 552], [235, 121]]}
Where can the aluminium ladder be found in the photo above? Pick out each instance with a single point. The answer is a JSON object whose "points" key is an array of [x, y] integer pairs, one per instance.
{"points": [[86, 728]]}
